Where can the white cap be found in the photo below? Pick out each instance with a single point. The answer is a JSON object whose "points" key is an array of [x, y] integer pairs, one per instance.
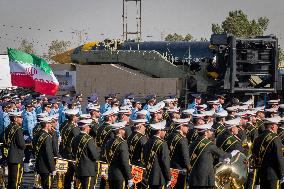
{"points": [[204, 127], [188, 111], [85, 116], [15, 114], [72, 111], [109, 112], [55, 116], [209, 113], [118, 125], [251, 112], [198, 115], [115, 110], [241, 114], [233, 122], [160, 105], [127, 107], [223, 113], [272, 110], [275, 120], [93, 107], [204, 106], [244, 107], [159, 126], [169, 100], [142, 112], [213, 102], [249, 102], [84, 122], [273, 101], [44, 114], [232, 108], [173, 110], [45, 120], [259, 109], [136, 121], [181, 121], [154, 109]]}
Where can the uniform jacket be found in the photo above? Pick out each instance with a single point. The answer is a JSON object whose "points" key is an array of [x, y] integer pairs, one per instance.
{"points": [[137, 151]]}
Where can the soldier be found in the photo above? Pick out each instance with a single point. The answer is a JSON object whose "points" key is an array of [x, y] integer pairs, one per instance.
{"points": [[201, 153], [192, 134], [136, 141], [68, 132], [136, 107], [29, 122], [196, 102], [94, 111], [268, 156], [178, 146], [228, 140], [250, 129], [232, 110], [259, 119], [14, 144], [219, 127], [174, 114], [155, 157], [117, 157], [54, 134], [44, 158], [280, 130], [85, 154], [123, 115], [105, 107]]}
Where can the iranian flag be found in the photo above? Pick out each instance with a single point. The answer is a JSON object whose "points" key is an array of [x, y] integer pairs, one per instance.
{"points": [[28, 70]]}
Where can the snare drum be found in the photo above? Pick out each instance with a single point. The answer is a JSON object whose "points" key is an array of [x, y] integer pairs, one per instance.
{"points": [[103, 170], [61, 166], [37, 181]]}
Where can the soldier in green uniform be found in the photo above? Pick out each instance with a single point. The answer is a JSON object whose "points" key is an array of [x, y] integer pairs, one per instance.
{"points": [[192, 134], [231, 112], [155, 157], [14, 146], [85, 154], [178, 146], [44, 158], [250, 129], [174, 114], [259, 119], [68, 132], [202, 153], [228, 140], [104, 134], [280, 130], [117, 156], [268, 156], [219, 126]]}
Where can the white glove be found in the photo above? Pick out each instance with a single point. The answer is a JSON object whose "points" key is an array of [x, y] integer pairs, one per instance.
{"points": [[234, 152], [227, 160], [53, 173], [282, 180], [169, 184], [129, 183]]}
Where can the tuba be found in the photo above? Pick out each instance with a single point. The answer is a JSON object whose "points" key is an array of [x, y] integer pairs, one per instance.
{"points": [[232, 175]]}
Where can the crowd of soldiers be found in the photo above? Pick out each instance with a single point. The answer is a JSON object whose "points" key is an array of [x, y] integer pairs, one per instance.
{"points": [[157, 137]]}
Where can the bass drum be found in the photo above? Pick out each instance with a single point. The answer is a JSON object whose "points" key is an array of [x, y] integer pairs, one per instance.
{"points": [[232, 175]]}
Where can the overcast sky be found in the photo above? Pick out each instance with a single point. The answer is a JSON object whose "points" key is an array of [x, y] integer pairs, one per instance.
{"points": [[102, 19]]}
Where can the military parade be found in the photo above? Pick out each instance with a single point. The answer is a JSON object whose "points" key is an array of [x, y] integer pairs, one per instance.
{"points": [[157, 144]]}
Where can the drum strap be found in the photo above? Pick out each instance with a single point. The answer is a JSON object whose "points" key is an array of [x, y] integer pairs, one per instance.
{"points": [[151, 158], [38, 144], [281, 134], [198, 151], [219, 129], [8, 137], [263, 148], [231, 140], [133, 143], [249, 128], [173, 144], [80, 149], [66, 131], [113, 149]]}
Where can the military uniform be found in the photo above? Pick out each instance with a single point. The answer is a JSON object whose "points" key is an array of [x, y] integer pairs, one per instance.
{"points": [[14, 144], [191, 135], [85, 153], [201, 154], [68, 132], [117, 157], [251, 132], [44, 164], [135, 142], [268, 159], [229, 142], [260, 125], [179, 156], [280, 133], [219, 128], [157, 162]]}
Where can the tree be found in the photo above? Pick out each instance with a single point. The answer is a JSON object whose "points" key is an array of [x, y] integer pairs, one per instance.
{"points": [[57, 47], [238, 24], [281, 55], [26, 46], [178, 37]]}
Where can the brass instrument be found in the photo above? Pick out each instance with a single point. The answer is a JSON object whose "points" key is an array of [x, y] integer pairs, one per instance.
{"points": [[232, 175]]}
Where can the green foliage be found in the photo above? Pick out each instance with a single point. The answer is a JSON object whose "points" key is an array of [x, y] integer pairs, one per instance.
{"points": [[238, 24], [281, 55], [57, 47], [26, 47], [178, 37]]}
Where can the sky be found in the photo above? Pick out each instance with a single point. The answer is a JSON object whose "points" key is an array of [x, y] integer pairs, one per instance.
{"points": [[43, 21]]}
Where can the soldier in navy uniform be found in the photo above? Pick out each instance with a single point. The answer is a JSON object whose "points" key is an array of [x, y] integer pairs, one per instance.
{"points": [[117, 156], [179, 155], [202, 153], [44, 158], [14, 144], [68, 132], [219, 126], [268, 156], [155, 157], [85, 153]]}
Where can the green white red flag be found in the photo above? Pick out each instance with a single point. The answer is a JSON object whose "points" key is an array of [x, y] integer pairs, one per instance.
{"points": [[28, 70]]}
